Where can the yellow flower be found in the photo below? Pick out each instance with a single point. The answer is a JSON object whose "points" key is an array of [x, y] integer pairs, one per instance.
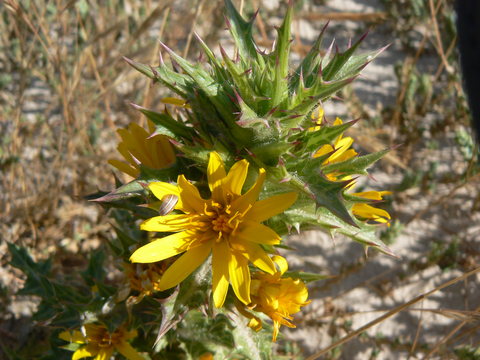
{"points": [[368, 212], [276, 297], [228, 225], [98, 342], [145, 278], [340, 151], [139, 147]]}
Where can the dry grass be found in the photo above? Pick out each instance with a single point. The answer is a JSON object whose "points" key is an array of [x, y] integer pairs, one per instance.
{"points": [[64, 90]]}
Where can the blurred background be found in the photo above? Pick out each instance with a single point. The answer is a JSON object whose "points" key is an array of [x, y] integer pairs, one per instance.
{"points": [[64, 91]]}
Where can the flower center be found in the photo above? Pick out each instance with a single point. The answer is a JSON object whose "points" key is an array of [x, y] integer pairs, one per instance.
{"points": [[222, 220], [221, 224]]}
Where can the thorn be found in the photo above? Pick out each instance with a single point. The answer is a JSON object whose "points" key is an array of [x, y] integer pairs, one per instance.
{"points": [[160, 58], [166, 47], [246, 72], [274, 109], [227, 22], [238, 97], [137, 107], [250, 153], [154, 72], [349, 44], [294, 116], [336, 49], [223, 52], [363, 37], [175, 142], [176, 67], [395, 147], [297, 227], [254, 16], [329, 50], [129, 61], [324, 28]]}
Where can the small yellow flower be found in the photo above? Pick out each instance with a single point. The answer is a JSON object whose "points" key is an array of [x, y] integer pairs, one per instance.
{"points": [[276, 297], [98, 342], [145, 278], [340, 151], [228, 225], [139, 147], [368, 212]]}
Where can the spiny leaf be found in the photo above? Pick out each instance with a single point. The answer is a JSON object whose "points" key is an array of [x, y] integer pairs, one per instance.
{"points": [[339, 60], [310, 62], [241, 31], [280, 57]]}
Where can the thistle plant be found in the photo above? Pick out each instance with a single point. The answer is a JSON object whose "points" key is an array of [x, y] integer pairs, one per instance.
{"points": [[242, 156]]}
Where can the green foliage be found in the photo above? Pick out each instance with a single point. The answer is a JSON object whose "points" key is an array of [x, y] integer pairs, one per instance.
{"points": [[255, 107]]}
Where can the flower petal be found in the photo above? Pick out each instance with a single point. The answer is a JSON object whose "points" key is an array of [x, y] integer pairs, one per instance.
{"points": [[252, 231], [104, 354], [171, 222], [256, 255], [369, 212], [184, 266], [248, 199], [265, 209], [128, 351], [236, 177], [161, 189], [216, 173], [190, 198], [372, 195], [168, 246], [124, 167], [281, 262], [240, 277], [220, 277], [85, 351], [72, 336]]}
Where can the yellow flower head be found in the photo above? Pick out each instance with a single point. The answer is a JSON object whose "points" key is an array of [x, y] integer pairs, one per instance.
{"points": [[228, 225], [340, 151], [97, 341], [276, 297], [145, 278], [139, 147], [368, 212]]}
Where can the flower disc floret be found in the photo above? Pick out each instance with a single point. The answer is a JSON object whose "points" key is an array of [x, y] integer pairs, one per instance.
{"points": [[227, 226]]}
